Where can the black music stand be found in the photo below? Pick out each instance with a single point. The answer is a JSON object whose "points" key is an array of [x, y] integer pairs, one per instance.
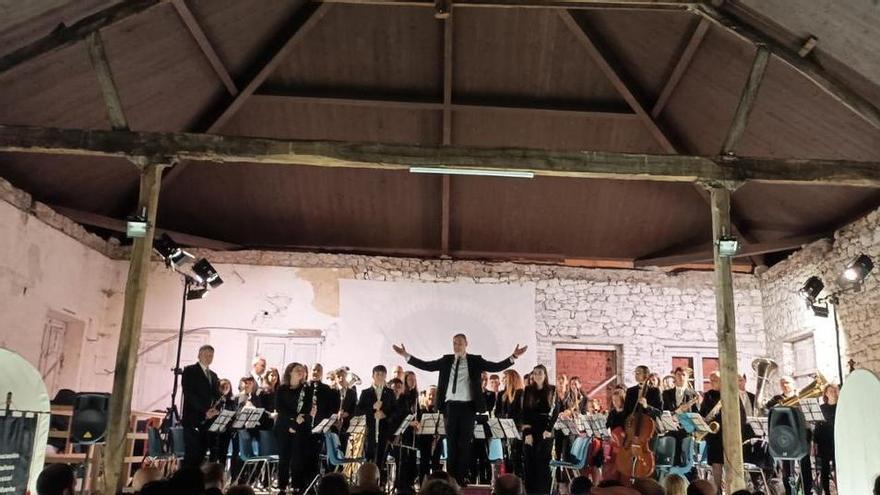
{"points": [[758, 424], [597, 424], [222, 421], [248, 418], [358, 424], [812, 410], [432, 424], [325, 425], [511, 432]]}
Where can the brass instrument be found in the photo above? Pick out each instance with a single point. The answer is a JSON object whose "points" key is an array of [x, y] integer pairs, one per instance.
{"points": [[714, 426], [764, 369], [815, 389], [354, 450], [687, 405]]}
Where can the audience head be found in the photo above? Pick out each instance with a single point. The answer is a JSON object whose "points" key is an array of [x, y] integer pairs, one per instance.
{"points": [[609, 483], [187, 480], [580, 486], [508, 484], [742, 492], [702, 487], [368, 475], [154, 488], [240, 490], [649, 486], [56, 479], [215, 475], [438, 487], [442, 476], [145, 475], [675, 485], [333, 484]]}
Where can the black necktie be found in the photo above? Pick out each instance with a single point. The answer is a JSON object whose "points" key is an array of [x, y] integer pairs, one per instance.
{"points": [[455, 376]]}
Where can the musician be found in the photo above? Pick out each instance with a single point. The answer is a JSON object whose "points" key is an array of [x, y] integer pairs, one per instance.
{"points": [[786, 385], [459, 396], [293, 426], [399, 373], [616, 423], [347, 405], [492, 394], [709, 411], [428, 458], [539, 412], [407, 403], [265, 398], [220, 440], [326, 403], [651, 402], [746, 398], [680, 394], [258, 370], [511, 407], [377, 403], [825, 437], [201, 391]]}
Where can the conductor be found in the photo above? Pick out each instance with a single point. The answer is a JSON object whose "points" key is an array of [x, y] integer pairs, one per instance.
{"points": [[459, 396]]}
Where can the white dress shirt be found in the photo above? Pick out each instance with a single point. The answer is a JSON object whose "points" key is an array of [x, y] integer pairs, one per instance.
{"points": [[462, 385]]}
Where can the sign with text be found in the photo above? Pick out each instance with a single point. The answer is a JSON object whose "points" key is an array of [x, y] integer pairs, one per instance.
{"points": [[17, 432]]}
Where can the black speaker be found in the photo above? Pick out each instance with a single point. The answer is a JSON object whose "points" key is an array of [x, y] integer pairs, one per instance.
{"points": [[787, 433], [89, 422]]}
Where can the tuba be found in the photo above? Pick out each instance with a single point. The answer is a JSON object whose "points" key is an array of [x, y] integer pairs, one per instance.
{"points": [[764, 369], [815, 389]]}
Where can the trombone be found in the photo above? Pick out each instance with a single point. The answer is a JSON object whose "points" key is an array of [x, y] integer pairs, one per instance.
{"points": [[815, 389]]}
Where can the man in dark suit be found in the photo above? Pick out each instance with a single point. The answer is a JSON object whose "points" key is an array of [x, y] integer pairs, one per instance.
{"points": [[377, 403], [680, 394], [460, 396], [651, 403], [201, 390]]}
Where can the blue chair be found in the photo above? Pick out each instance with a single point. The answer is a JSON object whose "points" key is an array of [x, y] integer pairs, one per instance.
{"points": [[571, 468], [335, 455], [178, 445], [156, 452], [664, 452], [685, 464]]}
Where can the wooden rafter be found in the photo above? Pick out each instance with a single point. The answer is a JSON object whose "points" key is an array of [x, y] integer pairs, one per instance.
{"points": [[195, 29], [75, 33], [446, 187], [98, 56], [538, 4], [684, 61], [746, 101], [139, 146], [703, 252]]}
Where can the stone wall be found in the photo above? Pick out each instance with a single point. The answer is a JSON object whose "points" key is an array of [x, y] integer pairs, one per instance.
{"points": [[787, 319]]}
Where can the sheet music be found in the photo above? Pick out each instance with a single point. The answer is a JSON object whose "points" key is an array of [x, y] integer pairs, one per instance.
{"points": [[404, 424], [812, 410], [497, 428], [358, 424], [432, 424], [758, 424], [510, 429], [325, 425], [221, 422], [249, 417]]}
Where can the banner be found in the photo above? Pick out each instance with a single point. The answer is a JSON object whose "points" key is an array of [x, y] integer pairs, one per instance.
{"points": [[17, 432]]}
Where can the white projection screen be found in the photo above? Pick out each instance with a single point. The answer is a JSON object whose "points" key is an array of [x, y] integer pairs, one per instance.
{"points": [[424, 317]]}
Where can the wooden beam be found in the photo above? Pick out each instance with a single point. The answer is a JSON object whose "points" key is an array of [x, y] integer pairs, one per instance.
{"points": [[444, 215], [856, 103], [536, 4], [445, 194], [74, 33], [105, 79], [746, 101], [614, 77], [116, 225], [129, 338], [192, 25], [139, 146], [724, 313], [422, 105], [684, 61], [703, 253]]}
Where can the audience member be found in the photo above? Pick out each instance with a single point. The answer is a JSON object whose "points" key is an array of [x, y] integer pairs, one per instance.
{"points": [[877, 486], [333, 484], [240, 490], [508, 484], [56, 479], [215, 478], [614, 490], [609, 483], [438, 487], [675, 484], [581, 485], [187, 481], [143, 476], [702, 487], [155, 488], [442, 476], [649, 486], [744, 492], [367, 480]]}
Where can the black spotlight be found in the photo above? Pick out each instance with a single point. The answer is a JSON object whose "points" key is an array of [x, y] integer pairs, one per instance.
{"points": [[820, 310], [811, 289], [196, 292], [207, 274], [170, 251], [857, 269]]}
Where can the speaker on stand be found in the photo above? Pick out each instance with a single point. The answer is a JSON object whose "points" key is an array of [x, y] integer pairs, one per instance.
{"points": [[787, 440], [88, 426]]}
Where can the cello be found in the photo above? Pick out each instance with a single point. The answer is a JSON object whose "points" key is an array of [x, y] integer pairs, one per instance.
{"points": [[635, 459]]}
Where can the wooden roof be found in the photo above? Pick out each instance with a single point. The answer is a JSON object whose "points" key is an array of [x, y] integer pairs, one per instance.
{"points": [[657, 79]]}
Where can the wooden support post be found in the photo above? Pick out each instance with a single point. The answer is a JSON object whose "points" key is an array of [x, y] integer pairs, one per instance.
{"points": [[130, 332], [724, 312]]}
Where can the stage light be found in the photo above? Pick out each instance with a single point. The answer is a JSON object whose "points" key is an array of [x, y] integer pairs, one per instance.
{"points": [[136, 225], [820, 311], [171, 252], [857, 269], [727, 246], [196, 292], [206, 273], [811, 289], [472, 171]]}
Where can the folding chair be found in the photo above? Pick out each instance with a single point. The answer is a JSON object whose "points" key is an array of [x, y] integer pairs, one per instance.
{"points": [[156, 454], [252, 464], [578, 451], [335, 456]]}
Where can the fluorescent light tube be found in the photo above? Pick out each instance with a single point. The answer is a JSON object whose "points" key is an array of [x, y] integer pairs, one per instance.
{"points": [[473, 171]]}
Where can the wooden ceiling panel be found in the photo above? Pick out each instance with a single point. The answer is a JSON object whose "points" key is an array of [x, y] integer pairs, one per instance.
{"points": [[702, 106], [794, 118], [164, 81], [499, 129], [775, 211], [94, 184], [25, 22], [59, 89], [280, 117], [524, 54], [278, 206], [382, 50], [241, 31], [643, 45], [575, 218]]}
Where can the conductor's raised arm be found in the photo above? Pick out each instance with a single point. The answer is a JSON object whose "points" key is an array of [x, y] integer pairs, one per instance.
{"points": [[416, 362]]}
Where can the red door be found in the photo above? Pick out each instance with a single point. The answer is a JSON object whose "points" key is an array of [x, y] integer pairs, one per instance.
{"points": [[593, 368]]}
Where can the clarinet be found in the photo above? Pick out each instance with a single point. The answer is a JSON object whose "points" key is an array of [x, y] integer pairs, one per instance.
{"points": [[314, 402]]}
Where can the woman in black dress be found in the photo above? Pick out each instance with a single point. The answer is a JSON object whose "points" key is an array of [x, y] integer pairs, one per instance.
{"points": [[511, 407], [293, 405], [220, 441], [539, 412]]}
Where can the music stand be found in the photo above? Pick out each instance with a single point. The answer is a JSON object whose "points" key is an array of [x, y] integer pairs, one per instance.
{"points": [[566, 426], [221, 422], [432, 424], [598, 424], [511, 432], [758, 424], [357, 425], [248, 417], [812, 411], [325, 425], [667, 423], [404, 424], [694, 420]]}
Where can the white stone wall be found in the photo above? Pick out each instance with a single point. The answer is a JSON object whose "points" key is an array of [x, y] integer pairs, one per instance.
{"points": [[786, 317]]}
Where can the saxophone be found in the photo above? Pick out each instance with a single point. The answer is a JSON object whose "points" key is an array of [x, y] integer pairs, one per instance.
{"points": [[713, 425]]}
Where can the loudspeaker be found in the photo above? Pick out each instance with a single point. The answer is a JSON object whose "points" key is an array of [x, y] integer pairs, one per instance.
{"points": [[89, 422], [787, 433]]}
